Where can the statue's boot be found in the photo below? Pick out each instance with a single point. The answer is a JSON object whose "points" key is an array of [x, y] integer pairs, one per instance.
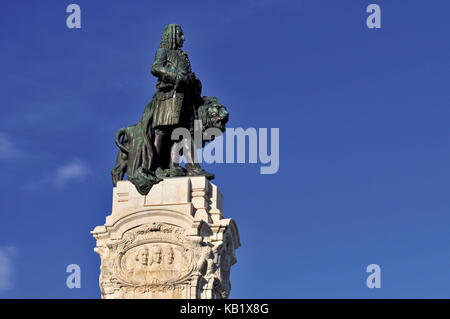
{"points": [[176, 170], [174, 167], [196, 170]]}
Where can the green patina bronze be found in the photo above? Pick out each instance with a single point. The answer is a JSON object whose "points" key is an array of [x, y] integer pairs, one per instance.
{"points": [[147, 154]]}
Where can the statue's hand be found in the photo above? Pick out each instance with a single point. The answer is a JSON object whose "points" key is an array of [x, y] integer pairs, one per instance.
{"points": [[181, 79]]}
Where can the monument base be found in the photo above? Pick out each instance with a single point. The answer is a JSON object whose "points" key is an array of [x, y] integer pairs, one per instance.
{"points": [[172, 243]]}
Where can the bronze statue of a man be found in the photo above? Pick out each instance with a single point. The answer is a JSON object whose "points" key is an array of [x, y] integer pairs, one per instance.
{"points": [[177, 98], [147, 152]]}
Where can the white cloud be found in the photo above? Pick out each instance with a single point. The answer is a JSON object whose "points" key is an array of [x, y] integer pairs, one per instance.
{"points": [[7, 148], [6, 267], [74, 170]]}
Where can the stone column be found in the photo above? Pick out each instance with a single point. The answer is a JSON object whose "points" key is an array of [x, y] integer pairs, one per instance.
{"points": [[172, 243]]}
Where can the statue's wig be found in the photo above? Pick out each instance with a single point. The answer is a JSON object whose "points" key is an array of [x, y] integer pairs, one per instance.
{"points": [[169, 37]]}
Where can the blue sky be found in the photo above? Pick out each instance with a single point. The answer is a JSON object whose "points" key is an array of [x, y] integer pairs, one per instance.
{"points": [[364, 138]]}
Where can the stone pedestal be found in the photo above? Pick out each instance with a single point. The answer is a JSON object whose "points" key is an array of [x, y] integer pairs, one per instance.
{"points": [[172, 243]]}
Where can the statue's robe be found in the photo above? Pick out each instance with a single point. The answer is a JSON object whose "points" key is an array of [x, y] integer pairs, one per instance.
{"points": [[174, 104]]}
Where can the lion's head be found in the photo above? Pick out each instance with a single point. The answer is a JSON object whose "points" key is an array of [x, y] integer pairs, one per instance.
{"points": [[212, 114]]}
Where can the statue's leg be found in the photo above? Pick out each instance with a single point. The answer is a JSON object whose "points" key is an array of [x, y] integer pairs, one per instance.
{"points": [[175, 154], [162, 147], [192, 166], [162, 150], [159, 141]]}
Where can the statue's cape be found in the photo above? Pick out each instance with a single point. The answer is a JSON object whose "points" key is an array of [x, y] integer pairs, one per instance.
{"points": [[141, 157]]}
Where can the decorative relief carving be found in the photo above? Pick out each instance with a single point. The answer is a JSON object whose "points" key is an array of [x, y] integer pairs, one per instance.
{"points": [[151, 264], [154, 257]]}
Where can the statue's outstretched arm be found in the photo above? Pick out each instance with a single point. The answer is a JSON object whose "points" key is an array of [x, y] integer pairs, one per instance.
{"points": [[162, 68]]}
